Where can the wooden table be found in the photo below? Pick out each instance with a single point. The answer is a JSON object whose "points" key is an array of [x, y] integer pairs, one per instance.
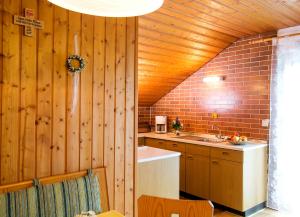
{"points": [[111, 213]]}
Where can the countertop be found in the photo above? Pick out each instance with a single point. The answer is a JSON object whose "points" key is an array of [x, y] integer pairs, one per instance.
{"points": [[251, 144], [146, 154]]}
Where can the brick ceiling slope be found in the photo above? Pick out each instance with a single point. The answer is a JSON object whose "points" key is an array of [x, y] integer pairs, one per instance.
{"points": [[183, 35]]}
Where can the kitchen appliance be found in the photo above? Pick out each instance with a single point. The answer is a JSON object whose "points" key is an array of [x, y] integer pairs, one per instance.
{"points": [[161, 124]]}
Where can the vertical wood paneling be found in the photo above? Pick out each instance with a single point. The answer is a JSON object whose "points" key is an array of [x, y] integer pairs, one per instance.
{"points": [[98, 92], [120, 113], [39, 134], [44, 93], [73, 116], [59, 90], [86, 93], [109, 136], [28, 101], [1, 74], [10, 94], [130, 132]]}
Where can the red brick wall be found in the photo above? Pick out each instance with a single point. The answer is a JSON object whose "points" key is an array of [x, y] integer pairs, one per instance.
{"points": [[143, 115], [242, 100]]}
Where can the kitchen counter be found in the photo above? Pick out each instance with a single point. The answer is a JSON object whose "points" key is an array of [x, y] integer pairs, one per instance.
{"points": [[252, 144]]}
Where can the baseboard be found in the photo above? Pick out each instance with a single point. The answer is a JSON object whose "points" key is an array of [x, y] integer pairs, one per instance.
{"points": [[245, 213]]}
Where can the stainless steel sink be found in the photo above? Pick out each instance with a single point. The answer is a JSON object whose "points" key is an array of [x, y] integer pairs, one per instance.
{"points": [[201, 139]]}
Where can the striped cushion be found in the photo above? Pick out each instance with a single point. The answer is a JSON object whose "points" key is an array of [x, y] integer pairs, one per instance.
{"points": [[22, 203], [69, 198]]}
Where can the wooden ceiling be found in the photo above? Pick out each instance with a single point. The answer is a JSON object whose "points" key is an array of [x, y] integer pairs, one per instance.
{"points": [[183, 35]]}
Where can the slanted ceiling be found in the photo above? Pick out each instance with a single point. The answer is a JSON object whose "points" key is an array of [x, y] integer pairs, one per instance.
{"points": [[183, 35]]}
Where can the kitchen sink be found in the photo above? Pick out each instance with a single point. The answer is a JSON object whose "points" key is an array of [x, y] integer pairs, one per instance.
{"points": [[201, 139]]}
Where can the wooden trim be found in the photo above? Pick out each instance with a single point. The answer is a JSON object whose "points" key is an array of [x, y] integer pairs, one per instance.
{"points": [[135, 203], [261, 40], [100, 172], [286, 36], [271, 38]]}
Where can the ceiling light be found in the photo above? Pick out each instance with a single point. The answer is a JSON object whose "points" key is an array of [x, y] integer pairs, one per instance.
{"points": [[213, 79], [110, 8]]}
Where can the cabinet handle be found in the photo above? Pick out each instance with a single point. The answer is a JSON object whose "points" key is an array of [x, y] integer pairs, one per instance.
{"points": [[215, 162], [225, 153], [190, 157], [174, 145]]}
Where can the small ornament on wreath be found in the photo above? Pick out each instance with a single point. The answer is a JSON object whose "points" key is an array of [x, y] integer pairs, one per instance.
{"points": [[75, 63]]}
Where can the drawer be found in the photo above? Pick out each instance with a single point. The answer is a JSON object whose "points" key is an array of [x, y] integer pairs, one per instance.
{"points": [[156, 143], [197, 150], [227, 154], [175, 146], [141, 141]]}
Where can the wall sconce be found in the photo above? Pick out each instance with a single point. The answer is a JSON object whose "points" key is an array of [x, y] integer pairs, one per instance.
{"points": [[213, 79]]}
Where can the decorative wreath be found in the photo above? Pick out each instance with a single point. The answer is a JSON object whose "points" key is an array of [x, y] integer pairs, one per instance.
{"points": [[75, 63]]}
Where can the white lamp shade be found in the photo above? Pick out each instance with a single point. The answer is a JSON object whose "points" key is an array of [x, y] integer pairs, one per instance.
{"points": [[213, 79], [110, 8]]}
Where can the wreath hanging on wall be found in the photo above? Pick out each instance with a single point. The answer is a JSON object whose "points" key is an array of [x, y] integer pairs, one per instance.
{"points": [[75, 63]]}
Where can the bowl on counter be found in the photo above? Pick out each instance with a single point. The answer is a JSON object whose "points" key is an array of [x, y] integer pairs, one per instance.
{"points": [[238, 140], [237, 143]]}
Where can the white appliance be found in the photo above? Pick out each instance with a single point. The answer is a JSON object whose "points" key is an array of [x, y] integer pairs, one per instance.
{"points": [[161, 124]]}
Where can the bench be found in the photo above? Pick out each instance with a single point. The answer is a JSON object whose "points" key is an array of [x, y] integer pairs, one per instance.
{"points": [[56, 196]]}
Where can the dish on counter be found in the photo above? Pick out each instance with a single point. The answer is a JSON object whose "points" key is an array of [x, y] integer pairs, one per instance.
{"points": [[236, 139]]}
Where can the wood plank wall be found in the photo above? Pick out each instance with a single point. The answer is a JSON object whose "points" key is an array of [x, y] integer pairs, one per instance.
{"points": [[39, 134]]}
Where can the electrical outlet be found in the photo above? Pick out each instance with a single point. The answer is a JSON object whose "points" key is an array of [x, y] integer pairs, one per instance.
{"points": [[265, 122]]}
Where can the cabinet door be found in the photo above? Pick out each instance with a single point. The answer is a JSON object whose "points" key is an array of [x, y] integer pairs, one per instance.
{"points": [[226, 183], [182, 172], [197, 175]]}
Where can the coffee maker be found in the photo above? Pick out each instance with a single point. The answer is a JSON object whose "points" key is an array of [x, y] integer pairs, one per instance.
{"points": [[161, 124]]}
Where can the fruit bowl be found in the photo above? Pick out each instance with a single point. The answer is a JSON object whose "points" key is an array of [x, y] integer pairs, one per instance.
{"points": [[238, 140]]}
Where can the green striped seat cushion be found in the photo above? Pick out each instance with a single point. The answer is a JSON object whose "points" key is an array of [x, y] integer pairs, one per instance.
{"points": [[22, 203], [69, 198]]}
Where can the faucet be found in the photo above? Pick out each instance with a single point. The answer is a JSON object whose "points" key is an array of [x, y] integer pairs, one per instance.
{"points": [[219, 135]]}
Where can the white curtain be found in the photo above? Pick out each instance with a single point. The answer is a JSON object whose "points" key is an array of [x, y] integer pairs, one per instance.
{"points": [[284, 161]]}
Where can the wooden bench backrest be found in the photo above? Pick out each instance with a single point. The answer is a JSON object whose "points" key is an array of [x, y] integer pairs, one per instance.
{"points": [[149, 206], [99, 172]]}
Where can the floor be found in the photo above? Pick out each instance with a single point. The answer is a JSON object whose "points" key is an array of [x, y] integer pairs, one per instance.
{"points": [[263, 213]]}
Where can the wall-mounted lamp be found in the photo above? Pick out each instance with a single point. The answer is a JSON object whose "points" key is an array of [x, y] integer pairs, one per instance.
{"points": [[213, 79]]}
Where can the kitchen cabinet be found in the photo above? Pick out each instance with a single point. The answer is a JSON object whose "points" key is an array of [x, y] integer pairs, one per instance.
{"points": [[233, 178], [197, 170], [197, 175], [155, 143], [226, 183], [238, 179], [182, 173], [141, 141]]}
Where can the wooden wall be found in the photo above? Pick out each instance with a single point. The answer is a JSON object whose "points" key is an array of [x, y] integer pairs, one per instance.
{"points": [[40, 136]]}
